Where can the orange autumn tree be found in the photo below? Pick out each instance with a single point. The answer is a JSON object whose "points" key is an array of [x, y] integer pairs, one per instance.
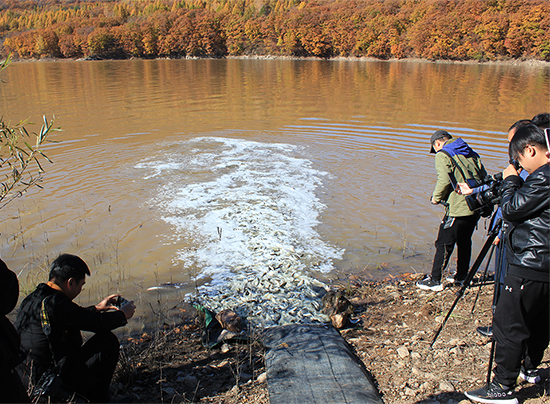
{"points": [[431, 29]]}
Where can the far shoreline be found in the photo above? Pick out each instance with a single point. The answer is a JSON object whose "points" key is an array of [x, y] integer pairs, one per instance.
{"points": [[512, 62]]}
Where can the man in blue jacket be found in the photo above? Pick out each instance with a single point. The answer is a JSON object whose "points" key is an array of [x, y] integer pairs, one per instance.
{"points": [[521, 321], [453, 158]]}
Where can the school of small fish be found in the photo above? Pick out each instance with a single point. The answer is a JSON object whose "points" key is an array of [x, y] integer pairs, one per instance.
{"points": [[281, 293]]}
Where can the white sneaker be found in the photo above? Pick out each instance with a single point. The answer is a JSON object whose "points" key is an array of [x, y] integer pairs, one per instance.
{"points": [[530, 376], [429, 284]]}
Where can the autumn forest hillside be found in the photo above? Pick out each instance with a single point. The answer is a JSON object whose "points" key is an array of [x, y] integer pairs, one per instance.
{"points": [[483, 30]]}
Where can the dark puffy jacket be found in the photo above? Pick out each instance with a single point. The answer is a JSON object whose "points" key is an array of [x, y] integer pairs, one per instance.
{"points": [[527, 209], [9, 339], [67, 320]]}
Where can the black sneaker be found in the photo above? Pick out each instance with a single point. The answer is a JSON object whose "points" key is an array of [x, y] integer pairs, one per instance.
{"points": [[456, 282], [493, 393], [529, 375], [429, 284], [486, 331]]}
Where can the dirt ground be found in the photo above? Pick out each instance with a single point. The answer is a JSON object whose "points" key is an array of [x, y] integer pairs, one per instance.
{"points": [[396, 327]]}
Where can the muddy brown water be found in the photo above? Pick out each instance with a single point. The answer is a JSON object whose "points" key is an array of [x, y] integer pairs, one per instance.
{"points": [[184, 171]]}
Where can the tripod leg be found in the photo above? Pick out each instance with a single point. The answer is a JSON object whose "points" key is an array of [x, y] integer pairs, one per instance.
{"points": [[467, 281], [491, 356], [483, 277]]}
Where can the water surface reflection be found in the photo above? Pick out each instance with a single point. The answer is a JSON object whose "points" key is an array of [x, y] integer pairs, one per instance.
{"points": [[365, 125]]}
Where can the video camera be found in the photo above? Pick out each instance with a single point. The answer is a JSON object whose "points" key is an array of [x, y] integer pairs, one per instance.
{"points": [[485, 200]]}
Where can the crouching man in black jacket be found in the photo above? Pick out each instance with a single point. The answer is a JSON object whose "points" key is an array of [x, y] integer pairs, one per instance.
{"points": [[521, 319], [85, 368]]}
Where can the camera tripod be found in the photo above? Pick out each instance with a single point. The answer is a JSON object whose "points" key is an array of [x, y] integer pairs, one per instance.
{"points": [[494, 229]]}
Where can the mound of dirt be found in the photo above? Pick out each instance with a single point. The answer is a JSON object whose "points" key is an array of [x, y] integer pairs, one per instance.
{"points": [[395, 328]]}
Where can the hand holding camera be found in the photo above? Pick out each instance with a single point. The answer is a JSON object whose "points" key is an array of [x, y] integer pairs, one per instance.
{"points": [[463, 189], [119, 303], [510, 170], [127, 307]]}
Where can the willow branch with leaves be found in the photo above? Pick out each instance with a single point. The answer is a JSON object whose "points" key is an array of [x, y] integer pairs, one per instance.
{"points": [[20, 167]]}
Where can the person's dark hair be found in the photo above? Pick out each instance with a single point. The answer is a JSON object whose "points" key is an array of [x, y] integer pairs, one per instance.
{"points": [[68, 266], [526, 135], [542, 120], [519, 124]]}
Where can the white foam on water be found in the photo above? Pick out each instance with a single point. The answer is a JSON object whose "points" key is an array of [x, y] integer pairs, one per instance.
{"points": [[247, 209]]}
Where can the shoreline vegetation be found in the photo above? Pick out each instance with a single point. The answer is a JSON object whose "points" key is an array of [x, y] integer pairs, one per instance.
{"points": [[516, 62], [432, 30]]}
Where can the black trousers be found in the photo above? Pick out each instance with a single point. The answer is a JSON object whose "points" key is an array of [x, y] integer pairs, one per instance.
{"points": [[458, 232], [521, 326], [91, 372]]}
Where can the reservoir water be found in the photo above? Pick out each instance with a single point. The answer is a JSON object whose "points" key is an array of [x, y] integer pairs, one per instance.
{"points": [[205, 172]]}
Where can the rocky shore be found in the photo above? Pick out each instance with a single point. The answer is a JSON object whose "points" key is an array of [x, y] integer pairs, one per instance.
{"points": [[395, 328]]}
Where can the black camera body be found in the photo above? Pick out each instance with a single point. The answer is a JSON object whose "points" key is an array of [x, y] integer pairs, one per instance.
{"points": [[484, 201], [120, 301]]}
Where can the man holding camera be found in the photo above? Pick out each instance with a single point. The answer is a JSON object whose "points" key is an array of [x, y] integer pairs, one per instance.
{"points": [[521, 320], [542, 121], [453, 159], [49, 323]]}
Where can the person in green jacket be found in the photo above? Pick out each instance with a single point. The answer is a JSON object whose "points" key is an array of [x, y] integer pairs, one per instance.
{"points": [[453, 159]]}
